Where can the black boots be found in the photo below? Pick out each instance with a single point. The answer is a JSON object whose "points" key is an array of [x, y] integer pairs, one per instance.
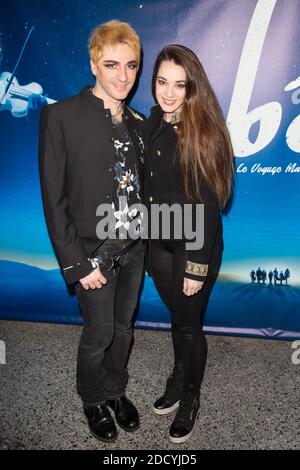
{"points": [[125, 412], [171, 397], [183, 424], [101, 422], [186, 399]]}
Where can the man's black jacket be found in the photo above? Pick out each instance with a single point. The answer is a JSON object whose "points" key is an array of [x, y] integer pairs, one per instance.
{"points": [[76, 159]]}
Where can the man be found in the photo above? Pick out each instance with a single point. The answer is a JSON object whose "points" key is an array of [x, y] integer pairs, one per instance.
{"points": [[90, 151]]}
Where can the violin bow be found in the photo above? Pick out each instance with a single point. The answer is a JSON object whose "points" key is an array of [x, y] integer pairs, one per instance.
{"points": [[16, 66]]}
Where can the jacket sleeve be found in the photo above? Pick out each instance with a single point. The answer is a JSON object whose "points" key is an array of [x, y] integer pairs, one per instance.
{"points": [[53, 178], [198, 260]]}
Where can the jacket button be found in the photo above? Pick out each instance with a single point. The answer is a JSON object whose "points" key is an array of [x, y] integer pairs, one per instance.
{"points": [[107, 196], [110, 169], [150, 198], [111, 139], [151, 173], [107, 115], [158, 152]]}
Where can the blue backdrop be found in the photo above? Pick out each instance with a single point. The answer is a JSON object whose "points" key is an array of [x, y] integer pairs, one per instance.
{"points": [[250, 50]]}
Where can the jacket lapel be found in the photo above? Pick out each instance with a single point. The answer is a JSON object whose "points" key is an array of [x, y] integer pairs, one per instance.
{"points": [[134, 129], [153, 127]]}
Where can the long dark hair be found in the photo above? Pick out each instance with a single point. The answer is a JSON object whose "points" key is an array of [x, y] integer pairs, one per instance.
{"points": [[203, 138]]}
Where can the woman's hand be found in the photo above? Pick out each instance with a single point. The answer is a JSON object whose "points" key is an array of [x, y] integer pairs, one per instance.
{"points": [[191, 287]]}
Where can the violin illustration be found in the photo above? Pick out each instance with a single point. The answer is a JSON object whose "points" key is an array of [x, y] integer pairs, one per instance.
{"points": [[19, 99]]}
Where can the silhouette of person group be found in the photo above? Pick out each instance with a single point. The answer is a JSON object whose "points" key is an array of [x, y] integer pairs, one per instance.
{"points": [[260, 275]]}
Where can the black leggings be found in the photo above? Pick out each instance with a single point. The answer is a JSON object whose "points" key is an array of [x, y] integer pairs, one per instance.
{"points": [[168, 262]]}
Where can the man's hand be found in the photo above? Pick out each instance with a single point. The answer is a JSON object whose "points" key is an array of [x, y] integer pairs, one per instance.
{"points": [[191, 287], [94, 280]]}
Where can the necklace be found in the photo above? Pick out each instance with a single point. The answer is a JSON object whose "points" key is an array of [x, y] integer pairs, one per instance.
{"points": [[175, 118], [174, 121], [117, 118], [120, 107], [120, 111]]}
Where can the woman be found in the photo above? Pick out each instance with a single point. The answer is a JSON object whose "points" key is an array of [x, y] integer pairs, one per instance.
{"points": [[188, 160]]}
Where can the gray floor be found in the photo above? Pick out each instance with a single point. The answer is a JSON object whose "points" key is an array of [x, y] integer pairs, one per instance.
{"points": [[249, 399]]}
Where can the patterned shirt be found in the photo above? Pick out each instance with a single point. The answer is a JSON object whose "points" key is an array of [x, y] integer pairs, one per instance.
{"points": [[127, 183]]}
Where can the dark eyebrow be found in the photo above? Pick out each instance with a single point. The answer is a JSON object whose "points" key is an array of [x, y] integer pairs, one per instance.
{"points": [[107, 61], [177, 81]]}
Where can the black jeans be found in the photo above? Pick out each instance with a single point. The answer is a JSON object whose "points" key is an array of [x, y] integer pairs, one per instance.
{"points": [[107, 334], [168, 263]]}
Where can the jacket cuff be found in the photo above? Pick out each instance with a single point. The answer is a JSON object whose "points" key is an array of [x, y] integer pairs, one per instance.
{"points": [[196, 271], [77, 271]]}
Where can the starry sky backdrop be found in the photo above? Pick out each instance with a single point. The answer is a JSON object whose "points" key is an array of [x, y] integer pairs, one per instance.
{"points": [[263, 225]]}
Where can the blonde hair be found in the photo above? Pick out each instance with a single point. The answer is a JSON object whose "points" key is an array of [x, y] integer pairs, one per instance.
{"points": [[112, 33]]}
